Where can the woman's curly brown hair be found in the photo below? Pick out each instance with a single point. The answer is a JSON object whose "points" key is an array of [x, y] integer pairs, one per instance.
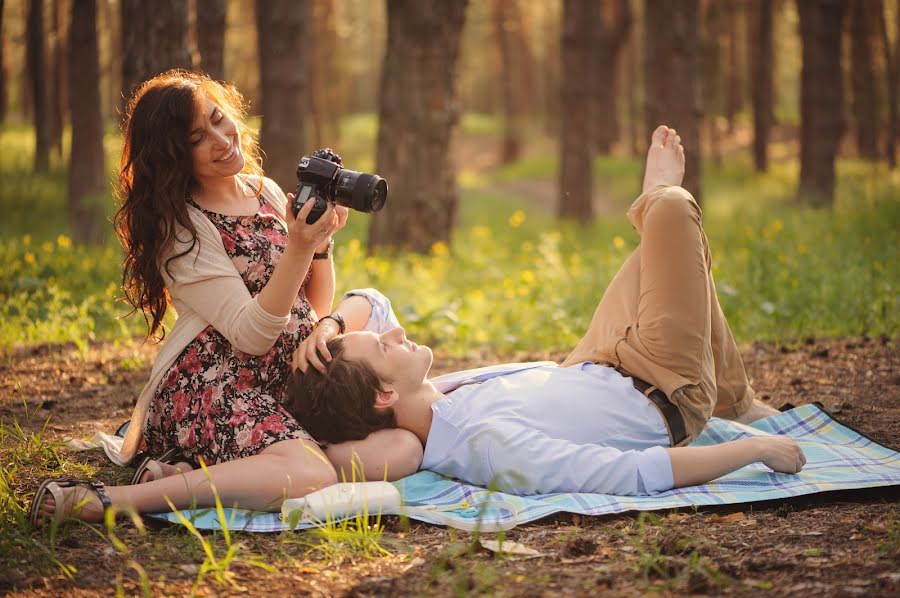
{"points": [[338, 405], [155, 179]]}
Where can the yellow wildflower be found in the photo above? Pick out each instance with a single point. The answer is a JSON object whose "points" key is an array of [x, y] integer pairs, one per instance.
{"points": [[29, 258], [26, 239], [440, 249], [777, 225], [47, 246], [517, 218], [528, 276], [618, 242], [64, 241]]}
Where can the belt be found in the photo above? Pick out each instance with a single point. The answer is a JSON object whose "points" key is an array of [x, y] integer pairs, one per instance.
{"points": [[666, 407]]}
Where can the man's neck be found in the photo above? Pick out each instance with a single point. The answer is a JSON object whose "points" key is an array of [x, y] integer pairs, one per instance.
{"points": [[415, 415]]}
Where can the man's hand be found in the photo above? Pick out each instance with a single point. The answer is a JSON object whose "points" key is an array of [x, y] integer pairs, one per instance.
{"points": [[310, 350], [781, 453]]}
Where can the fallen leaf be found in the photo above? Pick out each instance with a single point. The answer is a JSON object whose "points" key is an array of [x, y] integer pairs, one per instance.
{"points": [[734, 517], [508, 548]]}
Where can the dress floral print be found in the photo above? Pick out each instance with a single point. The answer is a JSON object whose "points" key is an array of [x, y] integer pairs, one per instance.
{"points": [[216, 402]]}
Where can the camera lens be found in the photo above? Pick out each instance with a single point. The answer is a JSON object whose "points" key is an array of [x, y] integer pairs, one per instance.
{"points": [[369, 193]]}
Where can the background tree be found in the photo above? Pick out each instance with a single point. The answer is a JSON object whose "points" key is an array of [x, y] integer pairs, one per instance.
{"points": [[733, 13], [281, 27], [611, 28], [671, 77], [211, 37], [37, 79], [762, 71], [154, 39], [516, 65], [575, 147], [417, 113], [712, 83], [57, 92], [87, 171], [4, 85], [821, 97], [866, 97], [890, 67], [324, 105]]}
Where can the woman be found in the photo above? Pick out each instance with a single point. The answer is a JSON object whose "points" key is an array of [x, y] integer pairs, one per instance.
{"points": [[205, 231]]}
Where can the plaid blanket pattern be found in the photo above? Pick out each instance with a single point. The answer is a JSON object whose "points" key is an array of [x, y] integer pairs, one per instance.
{"points": [[838, 458]]}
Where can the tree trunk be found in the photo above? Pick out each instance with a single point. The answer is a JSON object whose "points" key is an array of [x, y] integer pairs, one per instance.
{"points": [[735, 89], [763, 65], [87, 178], [890, 63], [37, 70], [821, 98], [515, 74], [211, 37], [575, 152], [613, 22], [57, 97], [283, 76], [322, 104], [866, 103], [154, 39], [4, 85], [418, 111], [671, 75], [711, 73]]}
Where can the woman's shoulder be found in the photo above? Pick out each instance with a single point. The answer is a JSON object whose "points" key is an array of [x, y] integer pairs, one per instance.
{"points": [[269, 188]]}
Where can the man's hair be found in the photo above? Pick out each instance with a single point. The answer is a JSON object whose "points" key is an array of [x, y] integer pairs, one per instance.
{"points": [[338, 405]]}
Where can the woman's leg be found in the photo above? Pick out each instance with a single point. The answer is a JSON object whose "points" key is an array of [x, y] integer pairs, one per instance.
{"points": [[286, 469]]}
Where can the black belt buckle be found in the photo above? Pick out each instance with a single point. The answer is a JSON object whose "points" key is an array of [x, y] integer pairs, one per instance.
{"points": [[668, 409]]}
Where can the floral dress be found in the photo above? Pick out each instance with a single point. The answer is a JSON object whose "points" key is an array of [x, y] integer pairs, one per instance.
{"points": [[217, 402]]}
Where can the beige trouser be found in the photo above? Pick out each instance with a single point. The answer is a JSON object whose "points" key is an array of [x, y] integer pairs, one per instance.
{"points": [[660, 318]]}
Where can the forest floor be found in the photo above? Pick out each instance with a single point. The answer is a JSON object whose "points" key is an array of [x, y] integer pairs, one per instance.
{"points": [[833, 544]]}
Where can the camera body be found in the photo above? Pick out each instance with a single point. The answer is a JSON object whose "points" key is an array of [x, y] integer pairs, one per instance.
{"points": [[323, 179]]}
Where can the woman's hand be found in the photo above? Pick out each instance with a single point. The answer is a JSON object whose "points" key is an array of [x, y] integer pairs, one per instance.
{"points": [[342, 213], [314, 346], [781, 453], [305, 237]]}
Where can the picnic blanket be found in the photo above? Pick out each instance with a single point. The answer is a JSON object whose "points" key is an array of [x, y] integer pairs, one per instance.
{"points": [[838, 458]]}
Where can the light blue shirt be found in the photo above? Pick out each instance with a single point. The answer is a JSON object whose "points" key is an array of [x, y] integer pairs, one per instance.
{"points": [[537, 428]]}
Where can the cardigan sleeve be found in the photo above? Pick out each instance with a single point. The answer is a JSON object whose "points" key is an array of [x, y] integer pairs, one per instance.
{"points": [[205, 281]]}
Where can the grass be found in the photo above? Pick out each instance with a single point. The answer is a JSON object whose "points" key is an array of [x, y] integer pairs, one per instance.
{"points": [[513, 278]]}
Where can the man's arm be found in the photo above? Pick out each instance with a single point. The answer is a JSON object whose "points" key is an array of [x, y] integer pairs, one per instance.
{"points": [[388, 454], [692, 465]]}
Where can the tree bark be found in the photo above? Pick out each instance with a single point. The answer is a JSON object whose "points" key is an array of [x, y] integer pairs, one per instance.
{"points": [[577, 87], [87, 178], [58, 101], [671, 75], [762, 62], [37, 71], [821, 98], [211, 37], [283, 77], [418, 111], [613, 23], [515, 74], [734, 99], [323, 105], [4, 85], [890, 63], [712, 83], [154, 39], [866, 103]]}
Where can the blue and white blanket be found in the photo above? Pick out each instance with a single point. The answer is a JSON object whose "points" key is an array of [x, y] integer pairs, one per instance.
{"points": [[838, 458]]}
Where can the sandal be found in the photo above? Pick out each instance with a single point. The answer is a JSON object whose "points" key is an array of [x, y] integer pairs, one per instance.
{"points": [[150, 464], [54, 487]]}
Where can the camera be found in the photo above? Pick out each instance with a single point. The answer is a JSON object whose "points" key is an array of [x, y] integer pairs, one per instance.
{"points": [[322, 178]]}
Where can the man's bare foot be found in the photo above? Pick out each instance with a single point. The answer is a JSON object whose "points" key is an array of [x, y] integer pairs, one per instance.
{"points": [[665, 159], [167, 469], [756, 412], [80, 503]]}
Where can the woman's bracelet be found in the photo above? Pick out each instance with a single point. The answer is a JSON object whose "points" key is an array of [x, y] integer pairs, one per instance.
{"points": [[342, 327]]}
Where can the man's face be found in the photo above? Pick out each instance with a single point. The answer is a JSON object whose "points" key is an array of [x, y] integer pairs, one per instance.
{"points": [[400, 363]]}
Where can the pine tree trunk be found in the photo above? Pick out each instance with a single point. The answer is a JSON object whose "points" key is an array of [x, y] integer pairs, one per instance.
{"points": [[211, 37], [763, 66], [322, 104], [866, 103], [154, 39], [821, 98], [611, 30], [712, 82], [87, 178], [890, 63], [58, 101], [735, 89], [281, 27], [515, 74], [671, 77], [37, 74], [417, 114]]}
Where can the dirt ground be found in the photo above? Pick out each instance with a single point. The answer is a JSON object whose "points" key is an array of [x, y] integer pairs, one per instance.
{"points": [[834, 544]]}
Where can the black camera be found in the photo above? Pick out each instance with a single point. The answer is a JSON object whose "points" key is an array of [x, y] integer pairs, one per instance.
{"points": [[323, 179]]}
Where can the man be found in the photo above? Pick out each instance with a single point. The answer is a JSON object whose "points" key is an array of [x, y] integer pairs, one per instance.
{"points": [[656, 362]]}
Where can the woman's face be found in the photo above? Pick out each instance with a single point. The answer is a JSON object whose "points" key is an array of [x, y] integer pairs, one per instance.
{"points": [[216, 142]]}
